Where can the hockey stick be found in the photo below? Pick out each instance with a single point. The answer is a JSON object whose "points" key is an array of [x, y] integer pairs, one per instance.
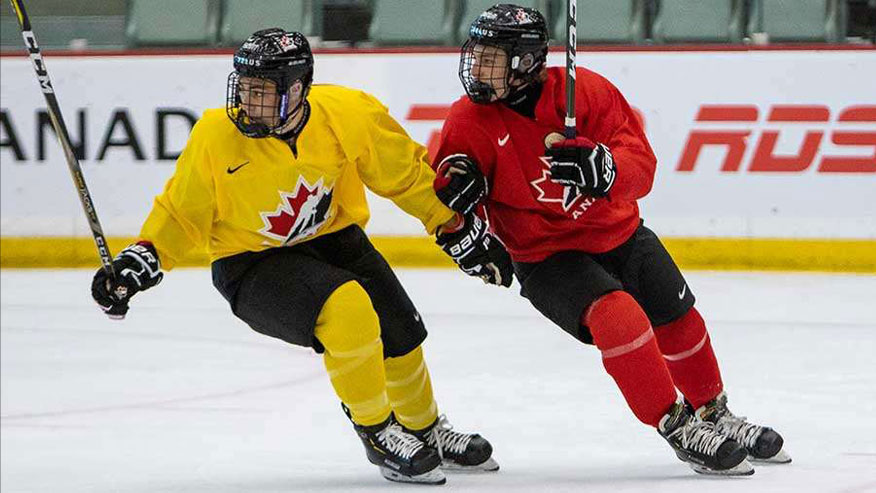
{"points": [[571, 41], [63, 137]]}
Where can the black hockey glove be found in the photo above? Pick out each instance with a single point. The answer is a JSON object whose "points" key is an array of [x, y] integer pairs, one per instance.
{"points": [[583, 164], [459, 183], [477, 252], [137, 269]]}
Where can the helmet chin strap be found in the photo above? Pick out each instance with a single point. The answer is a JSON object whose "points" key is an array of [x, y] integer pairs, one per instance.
{"points": [[290, 129], [484, 92], [281, 109], [481, 92]]}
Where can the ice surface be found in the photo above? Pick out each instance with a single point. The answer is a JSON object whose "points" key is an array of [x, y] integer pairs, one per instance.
{"points": [[182, 397]]}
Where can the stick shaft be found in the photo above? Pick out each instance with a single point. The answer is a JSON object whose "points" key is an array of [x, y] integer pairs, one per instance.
{"points": [[571, 42], [60, 127]]}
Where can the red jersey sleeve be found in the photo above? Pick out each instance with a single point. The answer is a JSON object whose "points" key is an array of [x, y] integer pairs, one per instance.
{"points": [[612, 122], [462, 134]]}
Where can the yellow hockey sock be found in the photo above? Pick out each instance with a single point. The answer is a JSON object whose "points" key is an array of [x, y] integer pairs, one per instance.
{"points": [[410, 390], [349, 329]]}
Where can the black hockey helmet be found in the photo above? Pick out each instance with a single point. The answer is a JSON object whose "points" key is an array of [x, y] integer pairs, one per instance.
{"points": [[521, 33], [281, 57]]}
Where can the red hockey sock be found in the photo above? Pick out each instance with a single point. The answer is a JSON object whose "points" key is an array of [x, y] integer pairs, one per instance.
{"points": [[622, 332], [688, 353]]}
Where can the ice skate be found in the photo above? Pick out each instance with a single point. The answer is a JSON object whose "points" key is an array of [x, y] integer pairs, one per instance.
{"points": [[459, 452], [701, 446], [762, 443], [401, 456]]}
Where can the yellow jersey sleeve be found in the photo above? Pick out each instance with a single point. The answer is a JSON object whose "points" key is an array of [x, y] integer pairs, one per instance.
{"points": [[182, 215], [391, 164]]}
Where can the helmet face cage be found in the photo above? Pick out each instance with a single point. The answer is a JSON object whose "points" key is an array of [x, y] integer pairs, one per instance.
{"points": [[506, 50], [256, 105], [267, 66], [483, 70]]}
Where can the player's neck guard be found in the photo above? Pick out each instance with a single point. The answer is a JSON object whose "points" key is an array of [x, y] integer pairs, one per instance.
{"points": [[524, 99], [296, 130]]}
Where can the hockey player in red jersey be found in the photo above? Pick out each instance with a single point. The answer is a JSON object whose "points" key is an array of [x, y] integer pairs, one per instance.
{"points": [[272, 186], [566, 211]]}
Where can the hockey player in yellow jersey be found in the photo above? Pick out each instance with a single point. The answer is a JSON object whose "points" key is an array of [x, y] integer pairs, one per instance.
{"points": [[272, 187]]}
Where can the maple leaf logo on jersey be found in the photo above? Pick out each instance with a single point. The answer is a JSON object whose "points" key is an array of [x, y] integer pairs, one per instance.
{"points": [[300, 213], [571, 199]]}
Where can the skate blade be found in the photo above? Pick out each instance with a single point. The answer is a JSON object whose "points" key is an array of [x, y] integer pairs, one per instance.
{"points": [[489, 465], [435, 476], [744, 468], [780, 458]]}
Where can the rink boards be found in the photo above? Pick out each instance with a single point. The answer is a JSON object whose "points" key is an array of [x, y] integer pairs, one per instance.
{"points": [[767, 158]]}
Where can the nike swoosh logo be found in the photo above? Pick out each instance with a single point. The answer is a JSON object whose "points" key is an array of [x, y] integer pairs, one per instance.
{"points": [[231, 170], [683, 290], [504, 140]]}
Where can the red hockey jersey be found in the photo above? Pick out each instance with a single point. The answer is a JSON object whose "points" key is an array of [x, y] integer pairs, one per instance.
{"points": [[533, 216]]}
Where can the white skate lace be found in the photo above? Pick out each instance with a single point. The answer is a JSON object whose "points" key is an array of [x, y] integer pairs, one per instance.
{"points": [[447, 439], [398, 441], [701, 436], [738, 429]]}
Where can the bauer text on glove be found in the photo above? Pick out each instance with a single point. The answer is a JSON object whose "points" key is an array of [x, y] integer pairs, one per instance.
{"points": [[477, 252]]}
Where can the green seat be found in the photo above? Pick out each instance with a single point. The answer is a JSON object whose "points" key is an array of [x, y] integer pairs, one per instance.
{"points": [[699, 20], [801, 20], [473, 8], [10, 36], [603, 21], [172, 22], [68, 32], [65, 24], [414, 21], [240, 18], [43, 8]]}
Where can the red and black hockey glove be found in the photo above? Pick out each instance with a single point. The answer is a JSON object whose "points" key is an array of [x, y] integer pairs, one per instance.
{"points": [[477, 252], [581, 163], [459, 183], [137, 269]]}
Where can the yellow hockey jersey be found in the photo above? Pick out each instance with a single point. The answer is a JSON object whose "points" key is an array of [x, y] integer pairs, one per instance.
{"points": [[232, 194]]}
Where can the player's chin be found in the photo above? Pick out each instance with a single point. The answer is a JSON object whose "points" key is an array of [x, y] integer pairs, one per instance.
{"points": [[268, 122], [498, 95]]}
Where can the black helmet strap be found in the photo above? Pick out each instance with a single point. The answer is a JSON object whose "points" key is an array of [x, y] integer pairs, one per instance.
{"points": [[293, 132]]}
